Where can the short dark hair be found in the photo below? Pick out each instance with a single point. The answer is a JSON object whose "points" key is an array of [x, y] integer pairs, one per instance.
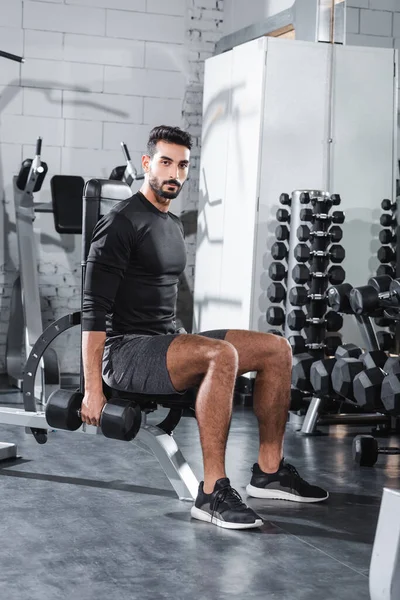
{"points": [[171, 135]]}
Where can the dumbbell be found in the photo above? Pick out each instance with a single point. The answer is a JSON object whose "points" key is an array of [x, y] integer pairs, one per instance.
{"points": [[301, 365], [299, 296], [279, 251], [387, 205], [282, 215], [285, 199], [381, 283], [345, 370], [299, 344], [297, 320], [338, 298], [304, 233], [366, 299], [302, 274], [386, 270], [367, 385], [117, 421], [282, 233], [307, 214], [390, 394], [386, 254], [321, 370], [277, 271], [386, 340], [275, 315], [366, 450], [386, 236], [276, 292], [387, 220], [303, 253]]}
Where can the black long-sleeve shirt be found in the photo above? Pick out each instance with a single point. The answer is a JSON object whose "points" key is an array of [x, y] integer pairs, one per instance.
{"points": [[136, 256]]}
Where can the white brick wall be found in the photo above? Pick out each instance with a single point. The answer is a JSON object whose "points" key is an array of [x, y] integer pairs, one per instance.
{"points": [[97, 72]]}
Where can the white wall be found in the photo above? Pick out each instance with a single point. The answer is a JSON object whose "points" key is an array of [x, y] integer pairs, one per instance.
{"points": [[374, 23], [241, 13], [96, 72]]}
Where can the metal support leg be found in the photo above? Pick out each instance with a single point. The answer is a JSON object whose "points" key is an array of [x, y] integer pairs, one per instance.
{"points": [[310, 420], [7, 451], [384, 575], [165, 449]]}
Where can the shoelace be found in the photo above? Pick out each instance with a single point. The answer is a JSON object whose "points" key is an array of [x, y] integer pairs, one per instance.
{"points": [[293, 472], [235, 499]]}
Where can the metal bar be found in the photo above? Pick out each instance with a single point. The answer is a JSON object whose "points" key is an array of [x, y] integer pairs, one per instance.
{"points": [[353, 418], [12, 56], [311, 418], [171, 459], [368, 332], [36, 420]]}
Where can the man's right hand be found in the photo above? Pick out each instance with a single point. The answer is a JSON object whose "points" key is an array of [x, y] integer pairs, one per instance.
{"points": [[92, 405]]}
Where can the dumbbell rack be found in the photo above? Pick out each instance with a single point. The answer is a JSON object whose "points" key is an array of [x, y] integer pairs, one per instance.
{"points": [[315, 247], [387, 256]]}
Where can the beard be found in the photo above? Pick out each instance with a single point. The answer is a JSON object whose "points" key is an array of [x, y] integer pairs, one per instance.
{"points": [[161, 193]]}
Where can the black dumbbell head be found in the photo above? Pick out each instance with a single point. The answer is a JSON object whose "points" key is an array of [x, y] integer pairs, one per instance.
{"points": [[282, 233], [62, 410], [337, 217], [365, 450], [279, 251], [276, 292], [387, 220], [301, 274], [301, 371], [320, 376], [336, 200], [367, 388], [332, 342], [387, 205], [374, 358], [302, 253], [296, 320], [298, 296], [385, 270], [336, 275], [275, 315], [343, 373], [392, 365], [337, 253], [282, 215], [334, 321], [390, 394], [305, 198], [277, 271], [364, 300], [336, 233], [303, 233], [386, 254], [386, 236], [348, 351], [306, 214], [380, 283], [338, 298], [285, 199], [298, 343]]}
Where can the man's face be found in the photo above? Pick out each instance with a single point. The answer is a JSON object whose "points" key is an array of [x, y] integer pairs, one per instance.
{"points": [[167, 170]]}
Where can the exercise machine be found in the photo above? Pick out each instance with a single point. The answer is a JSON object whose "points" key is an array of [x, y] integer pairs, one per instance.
{"points": [[126, 173], [99, 197], [25, 325]]}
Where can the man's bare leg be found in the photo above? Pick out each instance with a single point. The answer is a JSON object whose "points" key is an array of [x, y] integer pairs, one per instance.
{"points": [[212, 363], [271, 357]]}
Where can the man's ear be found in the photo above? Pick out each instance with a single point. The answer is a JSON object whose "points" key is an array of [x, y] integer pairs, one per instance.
{"points": [[146, 163]]}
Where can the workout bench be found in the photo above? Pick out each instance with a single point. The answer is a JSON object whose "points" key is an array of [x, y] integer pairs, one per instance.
{"points": [[99, 197]]}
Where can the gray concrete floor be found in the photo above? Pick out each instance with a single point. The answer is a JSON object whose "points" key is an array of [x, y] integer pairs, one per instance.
{"points": [[91, 518]]}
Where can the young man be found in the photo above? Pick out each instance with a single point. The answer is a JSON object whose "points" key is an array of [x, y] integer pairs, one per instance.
{"points": [[130, 339]]}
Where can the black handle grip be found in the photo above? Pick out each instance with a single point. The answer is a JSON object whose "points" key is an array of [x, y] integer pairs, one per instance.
{"points": [[12, 56], [38, 146], [125, 151]]}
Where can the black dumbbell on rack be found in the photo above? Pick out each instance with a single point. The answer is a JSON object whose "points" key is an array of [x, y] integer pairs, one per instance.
{"points": [[304, 233], [345, 370], [367, 385], [303, 253], [321, 370], [298, 320], [302, 274]]}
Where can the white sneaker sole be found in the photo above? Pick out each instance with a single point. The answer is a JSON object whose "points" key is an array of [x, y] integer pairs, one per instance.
{"points": [[256, 492], [201, 515]]}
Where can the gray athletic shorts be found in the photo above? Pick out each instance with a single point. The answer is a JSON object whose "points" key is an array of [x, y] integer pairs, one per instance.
{"points": [[138, 363]]}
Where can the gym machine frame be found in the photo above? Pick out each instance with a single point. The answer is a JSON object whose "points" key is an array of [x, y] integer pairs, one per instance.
{"points": [[99, 197], [25, 325]]}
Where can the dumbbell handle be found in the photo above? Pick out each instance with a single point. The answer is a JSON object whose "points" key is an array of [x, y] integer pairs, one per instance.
{"points": [[388, 450]]}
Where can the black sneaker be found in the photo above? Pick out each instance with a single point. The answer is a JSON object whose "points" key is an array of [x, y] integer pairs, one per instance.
{"points": [[285, 484], [224, 508]]}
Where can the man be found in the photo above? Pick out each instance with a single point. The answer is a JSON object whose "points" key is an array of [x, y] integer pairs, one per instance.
{"points": [[130, 339]]}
